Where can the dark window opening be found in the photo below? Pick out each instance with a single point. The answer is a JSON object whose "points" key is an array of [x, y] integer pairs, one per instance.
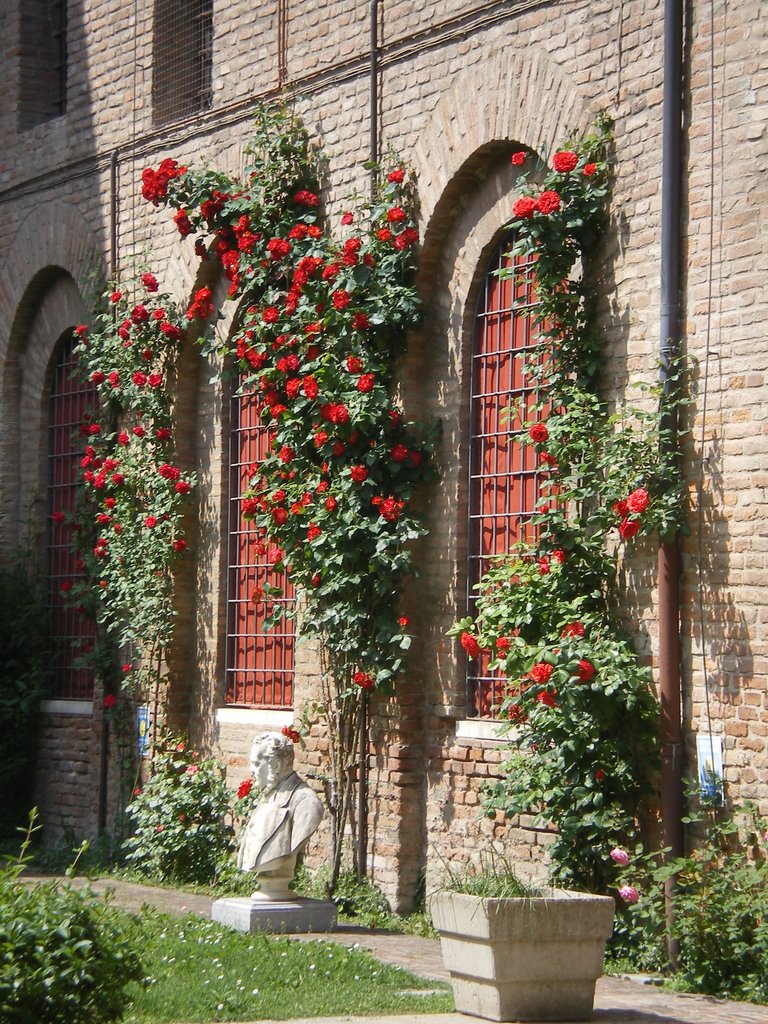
{"points": [[504, 485], [43, 60], [72, 634], [182, 58], [260, 660]]}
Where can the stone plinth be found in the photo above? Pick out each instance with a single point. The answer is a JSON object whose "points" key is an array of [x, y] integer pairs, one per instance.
{"points": [[280, 917]]}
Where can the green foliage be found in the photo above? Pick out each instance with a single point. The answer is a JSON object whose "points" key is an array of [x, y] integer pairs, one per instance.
{"points": [[179, 817], [720, 908], [134, 495], [578, 709], [66, 956], [494, 877], [24, 681]]}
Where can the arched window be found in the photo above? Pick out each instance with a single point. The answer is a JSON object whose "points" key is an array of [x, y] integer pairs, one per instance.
{"points": [[260, 661], [503, 480], [71, 402]]}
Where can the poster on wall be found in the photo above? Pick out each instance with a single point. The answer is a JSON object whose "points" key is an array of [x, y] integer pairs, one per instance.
{"points": [[142, 729], [709, 755]]}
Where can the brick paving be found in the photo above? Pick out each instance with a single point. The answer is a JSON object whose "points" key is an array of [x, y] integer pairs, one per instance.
{"points": [[617, 1000]]}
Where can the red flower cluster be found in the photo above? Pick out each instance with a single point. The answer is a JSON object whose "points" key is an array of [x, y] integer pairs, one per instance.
{"points": [[364, 680], [633, 505], [292, 734], [244, 788], [201, 306], [154, 184], [541, 672], [470, 645]]}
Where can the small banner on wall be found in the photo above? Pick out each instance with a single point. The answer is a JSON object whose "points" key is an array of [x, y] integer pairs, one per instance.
{"points": [[709, 754], [142, 729]]}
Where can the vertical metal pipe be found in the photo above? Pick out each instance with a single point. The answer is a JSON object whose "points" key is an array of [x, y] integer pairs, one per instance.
{"points": [[113, 263], [362, 766], [669, 551]]}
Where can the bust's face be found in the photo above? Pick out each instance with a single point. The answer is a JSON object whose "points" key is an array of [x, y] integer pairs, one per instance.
{"points": [[267, 767]]}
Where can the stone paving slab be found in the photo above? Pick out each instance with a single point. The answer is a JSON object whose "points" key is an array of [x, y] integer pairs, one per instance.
{"points": [[617, 1000]]}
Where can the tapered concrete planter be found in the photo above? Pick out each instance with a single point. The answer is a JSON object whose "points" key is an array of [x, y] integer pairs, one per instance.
{"points": [[524, 959]]}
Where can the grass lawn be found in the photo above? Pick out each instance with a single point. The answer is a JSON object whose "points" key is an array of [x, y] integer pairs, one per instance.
{"points": [[198, 970]]}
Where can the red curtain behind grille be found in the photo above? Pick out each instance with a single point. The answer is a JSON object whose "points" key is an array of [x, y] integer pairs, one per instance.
{"points": [[260, 661], [503, 485]]}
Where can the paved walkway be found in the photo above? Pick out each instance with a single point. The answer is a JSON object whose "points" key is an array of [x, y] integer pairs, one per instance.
{"points": [[617, 1000]]}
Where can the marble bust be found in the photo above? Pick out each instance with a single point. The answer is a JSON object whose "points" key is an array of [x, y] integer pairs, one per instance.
{"points": [[284, 820]]}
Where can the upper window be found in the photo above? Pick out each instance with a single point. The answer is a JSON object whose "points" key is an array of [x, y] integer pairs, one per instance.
{"points": [[504, 485], [72, 635], [43, 53], [182, 58], [260, 660]]}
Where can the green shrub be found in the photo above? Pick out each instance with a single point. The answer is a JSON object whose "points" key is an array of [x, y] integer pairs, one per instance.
{"points": [[720, 909], [65, 955], [180, 828]]}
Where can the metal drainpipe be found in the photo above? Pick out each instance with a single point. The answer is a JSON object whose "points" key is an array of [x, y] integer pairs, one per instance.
{"points": [[362, 766], [669, 550], [104, 740]]}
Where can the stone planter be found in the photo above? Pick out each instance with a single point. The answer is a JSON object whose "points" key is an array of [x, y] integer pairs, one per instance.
{"points": [[524, 959]]}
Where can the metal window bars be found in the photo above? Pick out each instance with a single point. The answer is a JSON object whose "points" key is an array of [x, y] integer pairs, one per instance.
{"points": [[259, 660], [182, 59], [504, 485], [72, 634]]}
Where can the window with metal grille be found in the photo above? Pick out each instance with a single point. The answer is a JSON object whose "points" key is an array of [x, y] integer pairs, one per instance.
{"points": [[182, 58], [71, 401], [43, 61], [504, 485], [260, 660]]}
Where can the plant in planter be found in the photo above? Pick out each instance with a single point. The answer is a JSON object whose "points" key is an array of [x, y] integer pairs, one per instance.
{"points": [[518, 952]]}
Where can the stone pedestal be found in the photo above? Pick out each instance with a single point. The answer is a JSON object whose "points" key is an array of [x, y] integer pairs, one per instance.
{"points": [[282, 917]]}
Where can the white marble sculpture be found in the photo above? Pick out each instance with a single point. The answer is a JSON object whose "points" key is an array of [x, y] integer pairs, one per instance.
{"points": [[284, 820]]}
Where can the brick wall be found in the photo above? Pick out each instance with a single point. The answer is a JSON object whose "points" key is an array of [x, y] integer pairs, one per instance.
{"points": [[460, 87]]}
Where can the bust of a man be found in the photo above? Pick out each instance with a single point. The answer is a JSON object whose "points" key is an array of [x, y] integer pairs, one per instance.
{"points": [[284, 820]]}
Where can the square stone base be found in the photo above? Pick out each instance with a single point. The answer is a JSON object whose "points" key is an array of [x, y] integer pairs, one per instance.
{"points": [[284, 918]]}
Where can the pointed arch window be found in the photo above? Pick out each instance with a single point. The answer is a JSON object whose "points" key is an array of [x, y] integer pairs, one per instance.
{"points": [[260, 661], [504, 484]]}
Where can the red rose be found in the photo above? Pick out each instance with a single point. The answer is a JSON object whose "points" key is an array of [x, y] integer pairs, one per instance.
{"points": [[518, 159], [358, 474], [115, 297], [109, 701], [396, 176], [573, 629], [389, 509], [155, 380], [502, 645], [620, 509], [360, 322], [150, 522], [538, 433], [182, 487], [98, 377], [340, 299], [309, 387], [278, 248], [330, 503], [395, 215], [589, 169], [398, 453], [149, 281], [182, 222], [548, 202], [180, 545], [586, 670], [564, 161], [244, 788], [470, 645], [139, 378], [365, 383], [524, 207], [363, 680], [270, 315], [347, 218], [313, 531], [541, 672], [637, 501], [559, 556], [628, 528], [403, 622], [547, 698]]}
